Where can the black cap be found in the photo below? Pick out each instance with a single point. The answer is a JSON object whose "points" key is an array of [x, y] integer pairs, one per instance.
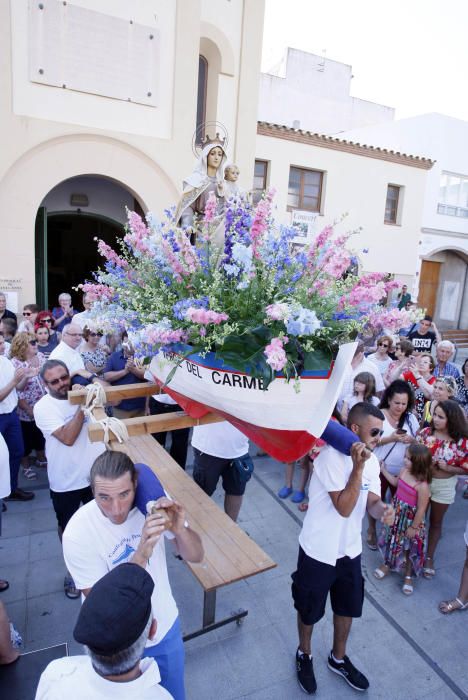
{"points": [[116, 610]]}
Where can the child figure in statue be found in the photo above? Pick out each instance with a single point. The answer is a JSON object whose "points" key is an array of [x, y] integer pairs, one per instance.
{"points": [[231, 175], [207, 177]]}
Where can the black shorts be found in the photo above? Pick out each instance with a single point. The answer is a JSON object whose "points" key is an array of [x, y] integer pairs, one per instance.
{"points": [[66, 503], [207, 471], [33, 439], [313, 580]]}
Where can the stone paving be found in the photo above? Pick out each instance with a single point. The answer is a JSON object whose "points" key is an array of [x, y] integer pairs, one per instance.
{"points": [[404, 645]]}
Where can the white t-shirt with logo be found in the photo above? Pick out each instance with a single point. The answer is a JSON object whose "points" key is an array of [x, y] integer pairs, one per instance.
{"points": [[93, 546], [220, 440], [68, 466], [69, 356], [326, 535]]}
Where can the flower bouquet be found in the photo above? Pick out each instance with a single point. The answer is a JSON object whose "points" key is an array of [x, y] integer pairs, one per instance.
{"points": [[258, 329]]}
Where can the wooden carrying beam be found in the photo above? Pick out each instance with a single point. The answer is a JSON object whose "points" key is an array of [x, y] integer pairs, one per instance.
{"points": [[116, 394], [153, 424]]}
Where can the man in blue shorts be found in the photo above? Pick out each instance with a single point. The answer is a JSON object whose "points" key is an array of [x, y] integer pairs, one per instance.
{"points": [[341, 489]]}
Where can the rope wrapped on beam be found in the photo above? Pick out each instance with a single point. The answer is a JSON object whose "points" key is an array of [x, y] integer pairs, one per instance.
{"points": [[96, 399]]}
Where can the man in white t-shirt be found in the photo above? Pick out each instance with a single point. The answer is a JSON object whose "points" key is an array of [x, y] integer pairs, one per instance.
{"points": [[70, 453], [114, 624], [67, 352], [110, 530], [215, 446], [341, 489]]}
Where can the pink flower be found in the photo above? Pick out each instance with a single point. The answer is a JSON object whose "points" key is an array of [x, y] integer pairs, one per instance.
{"points": [[98, 292], [277, 312], [109, 254], [260, 221], [205, 316], [275, 354], [210, 208]]}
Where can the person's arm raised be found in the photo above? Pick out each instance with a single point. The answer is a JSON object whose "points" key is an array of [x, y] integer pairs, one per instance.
{"points": [[345, 500]]}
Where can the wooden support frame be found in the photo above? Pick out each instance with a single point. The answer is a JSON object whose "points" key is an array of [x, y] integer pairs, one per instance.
{"points": [[116, 394], [230, 554], [154, 424]]}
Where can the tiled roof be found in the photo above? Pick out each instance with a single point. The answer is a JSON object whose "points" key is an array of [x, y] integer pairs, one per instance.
{"points": [[307, 137]]}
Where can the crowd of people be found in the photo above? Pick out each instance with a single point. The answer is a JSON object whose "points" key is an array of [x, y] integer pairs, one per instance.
{"points": [[405, 401]]}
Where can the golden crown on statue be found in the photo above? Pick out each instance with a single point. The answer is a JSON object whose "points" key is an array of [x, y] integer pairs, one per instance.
{"points": [[201, 137]]}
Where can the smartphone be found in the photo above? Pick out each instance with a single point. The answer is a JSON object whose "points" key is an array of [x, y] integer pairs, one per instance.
{"points": [[401, 431]]}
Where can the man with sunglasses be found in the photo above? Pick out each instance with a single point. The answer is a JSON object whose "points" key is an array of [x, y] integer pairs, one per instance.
{"points": [[341, 489], [70, 454]]}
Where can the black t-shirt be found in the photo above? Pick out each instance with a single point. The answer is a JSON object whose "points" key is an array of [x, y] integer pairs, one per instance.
{"points": [[422, 343]]}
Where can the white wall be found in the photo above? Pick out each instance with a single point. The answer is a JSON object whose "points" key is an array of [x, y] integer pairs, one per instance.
{"points": [[436, 136], [315, 92], [355, 185], [54, 134]]}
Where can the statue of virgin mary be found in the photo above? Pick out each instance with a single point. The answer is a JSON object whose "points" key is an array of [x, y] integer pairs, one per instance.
{"points": [[207, 177]]}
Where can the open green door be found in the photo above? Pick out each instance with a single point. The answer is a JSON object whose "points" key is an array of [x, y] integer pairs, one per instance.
{"points": [[40, 248]]}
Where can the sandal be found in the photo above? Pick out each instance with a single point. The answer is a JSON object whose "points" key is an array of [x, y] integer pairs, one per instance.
{"points": [[408, 587], [372, 541], [29, 473], [428, 571], [284, 492], [452, 605], [71, 591], [4, 585], [379, 573], [298, 496]]}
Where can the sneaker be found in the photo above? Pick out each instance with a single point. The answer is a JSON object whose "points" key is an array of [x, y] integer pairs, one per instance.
{"points": [[352, 676], [305, 673]]}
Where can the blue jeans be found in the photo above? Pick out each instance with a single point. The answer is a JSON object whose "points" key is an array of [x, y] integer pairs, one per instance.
{"points": [[10, 428], [169, 654]]}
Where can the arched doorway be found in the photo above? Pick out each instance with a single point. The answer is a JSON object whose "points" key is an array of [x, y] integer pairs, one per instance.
{"points": [[71, 216]]}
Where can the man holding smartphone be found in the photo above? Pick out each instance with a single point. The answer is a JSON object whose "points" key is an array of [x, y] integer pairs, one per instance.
{"points": [[341, 489]]}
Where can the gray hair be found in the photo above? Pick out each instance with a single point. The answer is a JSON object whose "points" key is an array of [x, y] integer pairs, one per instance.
{"points": [[64, 295], [122, 661], [3, 295], [447, 344]]}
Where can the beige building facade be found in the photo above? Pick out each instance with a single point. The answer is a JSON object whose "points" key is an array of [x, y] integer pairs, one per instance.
{"points": [[321, 178], [86, 132]]}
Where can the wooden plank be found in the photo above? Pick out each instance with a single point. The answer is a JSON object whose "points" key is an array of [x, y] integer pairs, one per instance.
{"points": [[230, 554], [142, 425], [117, 393]]}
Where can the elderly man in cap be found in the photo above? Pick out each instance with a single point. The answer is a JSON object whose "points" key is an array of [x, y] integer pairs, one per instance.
{"points": [[114, 624]]}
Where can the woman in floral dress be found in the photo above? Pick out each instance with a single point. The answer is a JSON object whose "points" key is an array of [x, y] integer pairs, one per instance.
{"points": [[23, 353], [446, 438]]}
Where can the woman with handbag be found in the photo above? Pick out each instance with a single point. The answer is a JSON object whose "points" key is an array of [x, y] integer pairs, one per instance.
{"points": [[399, 430]]}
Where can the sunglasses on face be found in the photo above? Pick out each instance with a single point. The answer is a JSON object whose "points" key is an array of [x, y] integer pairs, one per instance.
{"points": [[376, 431], [45, 320], [63, 378], [26, 313], [382, 345], [95, 335]]}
